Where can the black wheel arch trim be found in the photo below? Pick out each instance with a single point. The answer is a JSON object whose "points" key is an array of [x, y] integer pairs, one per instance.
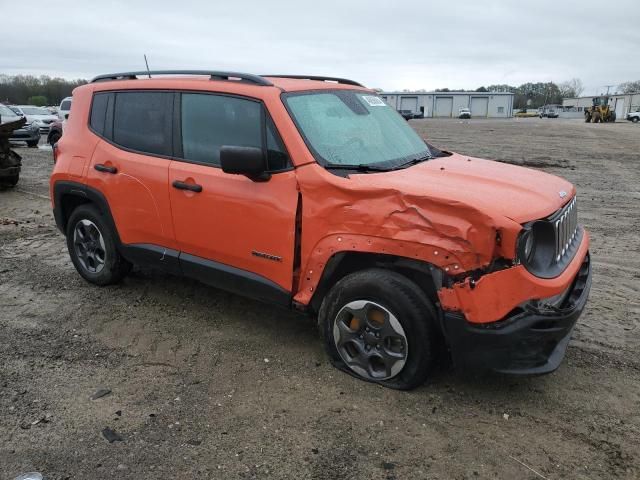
{"points": [[84, 194]]}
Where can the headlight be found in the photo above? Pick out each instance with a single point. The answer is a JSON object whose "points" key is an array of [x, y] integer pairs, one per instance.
{"points": [[536, 246]]}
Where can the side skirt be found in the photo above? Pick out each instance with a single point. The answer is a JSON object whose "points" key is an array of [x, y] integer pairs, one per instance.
{"points": [[219, 275]]}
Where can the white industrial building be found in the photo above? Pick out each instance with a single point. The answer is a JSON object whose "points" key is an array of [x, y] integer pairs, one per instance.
{"points": [[621, 103], [448, 104]]}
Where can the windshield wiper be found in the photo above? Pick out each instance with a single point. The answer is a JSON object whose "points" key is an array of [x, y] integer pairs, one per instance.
{"points": [[413, 161], [361, 167]]}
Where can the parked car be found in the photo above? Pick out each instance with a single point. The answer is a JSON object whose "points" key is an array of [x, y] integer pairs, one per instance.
{"points": [[55, 132], [29, 132], [10, 161], [64, 108], [464, 113], [406, 114], [37, 115], [275, 188], [633, 116], [549, 111]]}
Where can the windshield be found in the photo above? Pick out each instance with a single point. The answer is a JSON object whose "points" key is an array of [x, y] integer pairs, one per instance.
{"points": [[35, 111], [347, 127], [6, 111]]}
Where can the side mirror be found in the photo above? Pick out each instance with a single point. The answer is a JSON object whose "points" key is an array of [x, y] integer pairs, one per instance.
{"points": [[66, 116], [247, 161]]}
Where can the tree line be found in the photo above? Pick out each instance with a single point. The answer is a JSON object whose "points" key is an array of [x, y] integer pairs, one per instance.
{"points": [[32, 90]]}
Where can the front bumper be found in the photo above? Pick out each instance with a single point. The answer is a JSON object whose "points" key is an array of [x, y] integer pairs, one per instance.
{"points": [[531, 341]]}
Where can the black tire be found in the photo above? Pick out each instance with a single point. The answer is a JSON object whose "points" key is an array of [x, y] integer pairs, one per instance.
{"points": [[10, 181], [114, 267], [400, 297], [53, 138], [635, 119], [32, 143]]}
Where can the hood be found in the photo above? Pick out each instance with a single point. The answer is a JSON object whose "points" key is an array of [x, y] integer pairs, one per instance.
{"points": [[42, 117], [517, 193]]}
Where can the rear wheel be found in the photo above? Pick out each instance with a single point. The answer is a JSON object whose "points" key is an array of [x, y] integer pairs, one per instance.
{"points": [[53, 138], [32, 143], [379, 326], [635, 119], [92, 247]]}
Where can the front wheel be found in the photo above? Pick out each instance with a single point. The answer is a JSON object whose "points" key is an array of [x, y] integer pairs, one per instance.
{"points": [[635, 119], [92, 247], [379, 326], [32, 143]]}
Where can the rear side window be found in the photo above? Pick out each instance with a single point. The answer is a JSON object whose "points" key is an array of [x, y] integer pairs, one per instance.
{"points": [[211, 121], [65, 105], [99, 112], [142, 122]]}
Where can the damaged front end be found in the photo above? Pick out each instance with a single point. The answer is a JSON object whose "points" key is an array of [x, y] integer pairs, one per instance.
{"points": [[518, 319], [530, 340], [10, 161]]}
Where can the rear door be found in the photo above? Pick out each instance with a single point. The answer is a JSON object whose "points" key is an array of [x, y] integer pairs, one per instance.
{"points": [[234, 232], [130, 166]]}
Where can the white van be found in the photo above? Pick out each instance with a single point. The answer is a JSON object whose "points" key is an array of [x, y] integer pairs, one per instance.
{"points": [[65, 108]]}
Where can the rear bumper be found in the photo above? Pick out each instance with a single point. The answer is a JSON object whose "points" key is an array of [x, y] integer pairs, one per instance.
{"points": [[532, 341], [25, 135]]}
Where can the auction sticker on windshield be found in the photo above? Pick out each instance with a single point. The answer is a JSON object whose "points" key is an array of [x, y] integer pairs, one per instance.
{"points": [[374, 101]]}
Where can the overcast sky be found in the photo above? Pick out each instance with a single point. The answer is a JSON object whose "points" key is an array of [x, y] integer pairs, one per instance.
{"points": [[391, 45]]}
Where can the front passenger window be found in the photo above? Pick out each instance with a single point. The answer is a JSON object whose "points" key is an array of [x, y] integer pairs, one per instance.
{"points": [[211, 121]]}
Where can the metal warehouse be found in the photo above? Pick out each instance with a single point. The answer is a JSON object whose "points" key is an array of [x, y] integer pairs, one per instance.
{"points": [[448, 104]]}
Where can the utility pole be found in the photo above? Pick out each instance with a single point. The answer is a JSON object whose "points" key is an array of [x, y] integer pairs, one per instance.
{"points": [[608, 87]]}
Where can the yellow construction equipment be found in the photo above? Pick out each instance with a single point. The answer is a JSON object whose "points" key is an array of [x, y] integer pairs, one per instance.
{"points": [[600, 111]]}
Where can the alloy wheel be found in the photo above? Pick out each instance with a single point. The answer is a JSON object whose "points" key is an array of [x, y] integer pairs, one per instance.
{"points": [[370, 340], [89, 246]]}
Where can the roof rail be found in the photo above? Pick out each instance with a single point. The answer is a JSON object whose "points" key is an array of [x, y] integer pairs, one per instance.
{"points": [[319, 78], [215, 75]]}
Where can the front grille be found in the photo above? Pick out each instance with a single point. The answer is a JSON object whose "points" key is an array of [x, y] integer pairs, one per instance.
{"points": [[566, 228]]}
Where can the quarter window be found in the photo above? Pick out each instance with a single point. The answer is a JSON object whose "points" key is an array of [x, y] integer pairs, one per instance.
{"points": [[99, 112], [142, 121], [277, 158]]}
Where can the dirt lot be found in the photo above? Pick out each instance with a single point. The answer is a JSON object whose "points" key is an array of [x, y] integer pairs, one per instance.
{"points": [[205, 384]]}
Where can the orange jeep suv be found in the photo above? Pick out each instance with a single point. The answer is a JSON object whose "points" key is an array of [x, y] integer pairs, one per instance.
{"points": [[312, 193]]}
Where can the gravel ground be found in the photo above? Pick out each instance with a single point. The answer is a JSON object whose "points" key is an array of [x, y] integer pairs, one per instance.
{"points": [[205, 384]]}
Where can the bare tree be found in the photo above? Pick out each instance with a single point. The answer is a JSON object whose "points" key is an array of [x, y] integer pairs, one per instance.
{"points": [[630, 87], [572, 88]]}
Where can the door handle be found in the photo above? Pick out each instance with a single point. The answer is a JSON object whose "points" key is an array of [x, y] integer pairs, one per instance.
{"points": [[192, 187], [105, 168]]}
